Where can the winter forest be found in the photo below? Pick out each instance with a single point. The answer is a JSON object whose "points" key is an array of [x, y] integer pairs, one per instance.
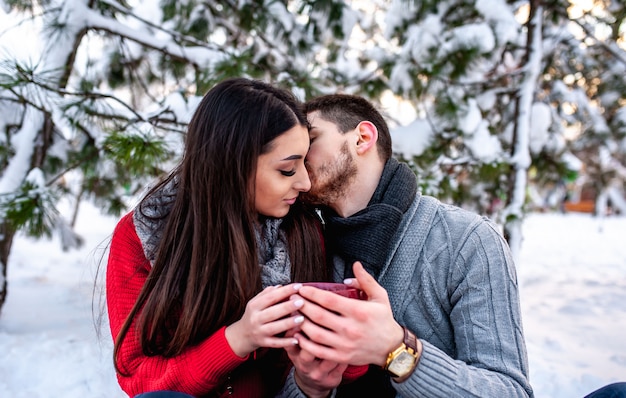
{"points": [[502, 107]]}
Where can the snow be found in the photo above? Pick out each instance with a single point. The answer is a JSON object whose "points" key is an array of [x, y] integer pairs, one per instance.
{"points": [[23, 142], [198, 55], [572, 276], [48, 341], [413, 139], [499, 14], [571, 273], [483, 144], [540, 121], [479, 36]]}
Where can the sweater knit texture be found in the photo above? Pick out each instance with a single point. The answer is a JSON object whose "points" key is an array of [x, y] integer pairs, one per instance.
{"points": [[451, 280], [198, 371]]}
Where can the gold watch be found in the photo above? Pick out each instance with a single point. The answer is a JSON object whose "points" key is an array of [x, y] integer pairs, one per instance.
{"points": [[402, 361]]}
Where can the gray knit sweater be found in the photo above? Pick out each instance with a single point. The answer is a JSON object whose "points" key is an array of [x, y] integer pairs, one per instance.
{"points": [[452, 281]]}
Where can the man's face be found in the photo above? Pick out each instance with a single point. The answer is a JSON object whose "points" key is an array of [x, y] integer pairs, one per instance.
{"points": [[331, 165]]}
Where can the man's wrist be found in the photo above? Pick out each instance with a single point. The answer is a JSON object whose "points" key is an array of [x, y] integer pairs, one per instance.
{"points": [[397, 340], [419, 348], [401, 362]]}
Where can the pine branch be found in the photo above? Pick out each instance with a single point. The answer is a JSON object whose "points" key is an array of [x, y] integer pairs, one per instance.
{"points": [[154, 120], [134, 77]]}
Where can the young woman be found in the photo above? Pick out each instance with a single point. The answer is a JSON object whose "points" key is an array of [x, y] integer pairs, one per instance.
{"points": [[198, 276]]}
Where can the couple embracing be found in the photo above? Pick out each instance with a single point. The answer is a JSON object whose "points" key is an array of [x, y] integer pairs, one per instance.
{"points": [[204, 277]]}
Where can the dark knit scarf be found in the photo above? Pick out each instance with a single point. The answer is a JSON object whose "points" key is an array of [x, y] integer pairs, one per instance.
{"points": [[364, 236], [151, 215], [273, 255]]}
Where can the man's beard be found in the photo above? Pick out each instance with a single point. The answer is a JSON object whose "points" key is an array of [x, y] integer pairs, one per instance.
{"points": [[331, 181]]}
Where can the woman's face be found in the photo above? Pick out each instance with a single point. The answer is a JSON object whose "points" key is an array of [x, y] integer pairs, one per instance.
{"points": [[280, 174]]}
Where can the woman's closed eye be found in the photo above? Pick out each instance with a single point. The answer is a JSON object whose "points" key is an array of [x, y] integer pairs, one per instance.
{"points": [[288, 173]]}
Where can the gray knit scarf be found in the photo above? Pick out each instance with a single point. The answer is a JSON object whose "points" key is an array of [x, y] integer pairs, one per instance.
{"points": [[151, 215], [364, 235]]}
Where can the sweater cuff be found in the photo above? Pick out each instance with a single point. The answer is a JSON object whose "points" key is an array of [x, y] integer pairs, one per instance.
{"points": [[434, 370], [218, 360]]}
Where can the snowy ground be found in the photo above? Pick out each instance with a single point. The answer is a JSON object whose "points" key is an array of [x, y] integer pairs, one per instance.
{"points": [[572, 274]]}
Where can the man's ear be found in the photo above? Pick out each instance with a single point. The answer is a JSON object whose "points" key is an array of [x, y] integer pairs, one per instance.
{"points": [[368, 136]]}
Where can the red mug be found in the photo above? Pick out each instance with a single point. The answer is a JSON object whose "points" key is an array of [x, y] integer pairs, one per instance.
{"points": [[339, 288]]}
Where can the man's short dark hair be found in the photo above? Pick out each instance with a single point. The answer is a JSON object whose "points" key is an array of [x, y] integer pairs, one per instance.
{"points": [[347, 111]]}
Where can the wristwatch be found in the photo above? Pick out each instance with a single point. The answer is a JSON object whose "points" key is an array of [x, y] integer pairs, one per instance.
{"points": [[402, 361]]}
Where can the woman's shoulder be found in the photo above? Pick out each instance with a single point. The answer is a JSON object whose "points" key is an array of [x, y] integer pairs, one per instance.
{"points": [[125, 223], [125, 229]]}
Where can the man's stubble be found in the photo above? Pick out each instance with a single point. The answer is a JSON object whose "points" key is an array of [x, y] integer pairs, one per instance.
{"points": [[331, 181]]}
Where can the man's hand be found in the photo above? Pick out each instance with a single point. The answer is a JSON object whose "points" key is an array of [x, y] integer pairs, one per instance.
{"points": [[348, 331]]}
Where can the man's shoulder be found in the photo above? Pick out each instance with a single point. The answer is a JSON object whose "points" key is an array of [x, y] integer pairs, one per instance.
{"points": [[448, 213], [448, 222]]}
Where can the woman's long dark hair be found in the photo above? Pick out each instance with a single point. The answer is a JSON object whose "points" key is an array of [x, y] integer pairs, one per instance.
{"points": [[206, 267]]}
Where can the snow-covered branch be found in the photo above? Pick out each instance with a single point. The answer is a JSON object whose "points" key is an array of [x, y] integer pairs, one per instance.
{"points": [[200, 55], [521, 160]]}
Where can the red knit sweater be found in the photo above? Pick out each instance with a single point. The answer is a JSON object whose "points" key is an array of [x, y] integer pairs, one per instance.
{"points": [[202, 370]]}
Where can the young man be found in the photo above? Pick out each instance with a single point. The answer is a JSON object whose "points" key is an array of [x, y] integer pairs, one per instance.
{"points": [[442, 317]]}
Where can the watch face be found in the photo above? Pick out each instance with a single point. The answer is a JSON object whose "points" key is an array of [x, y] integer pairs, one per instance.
{"points": [[402, 364]]}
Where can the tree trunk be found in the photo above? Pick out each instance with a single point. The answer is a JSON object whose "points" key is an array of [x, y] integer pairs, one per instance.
{"points": [[521, 160], [6, 241], [40, 134]]}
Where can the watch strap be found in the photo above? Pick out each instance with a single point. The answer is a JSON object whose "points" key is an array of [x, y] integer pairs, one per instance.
{"points": [[410, 340], [414, 347]]}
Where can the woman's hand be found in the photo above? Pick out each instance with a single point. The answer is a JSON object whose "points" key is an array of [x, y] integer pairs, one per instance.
{"points": [[267, 316]]}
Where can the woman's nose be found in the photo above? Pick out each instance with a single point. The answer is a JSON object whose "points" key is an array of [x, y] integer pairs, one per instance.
{"points": [[304, 183]]}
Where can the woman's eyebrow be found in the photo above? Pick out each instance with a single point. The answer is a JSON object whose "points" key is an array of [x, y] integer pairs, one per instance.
{"points": [[293, 157]]}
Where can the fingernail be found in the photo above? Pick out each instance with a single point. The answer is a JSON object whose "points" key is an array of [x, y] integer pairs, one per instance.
{"points": [[297, 286], [294, 342], [348, 281], [299, 319], [298, 303]]}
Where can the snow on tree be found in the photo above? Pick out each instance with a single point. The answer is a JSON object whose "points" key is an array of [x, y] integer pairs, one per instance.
{"points": [[498, 88], [490, 90], [101, 108], [520, 159]]}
